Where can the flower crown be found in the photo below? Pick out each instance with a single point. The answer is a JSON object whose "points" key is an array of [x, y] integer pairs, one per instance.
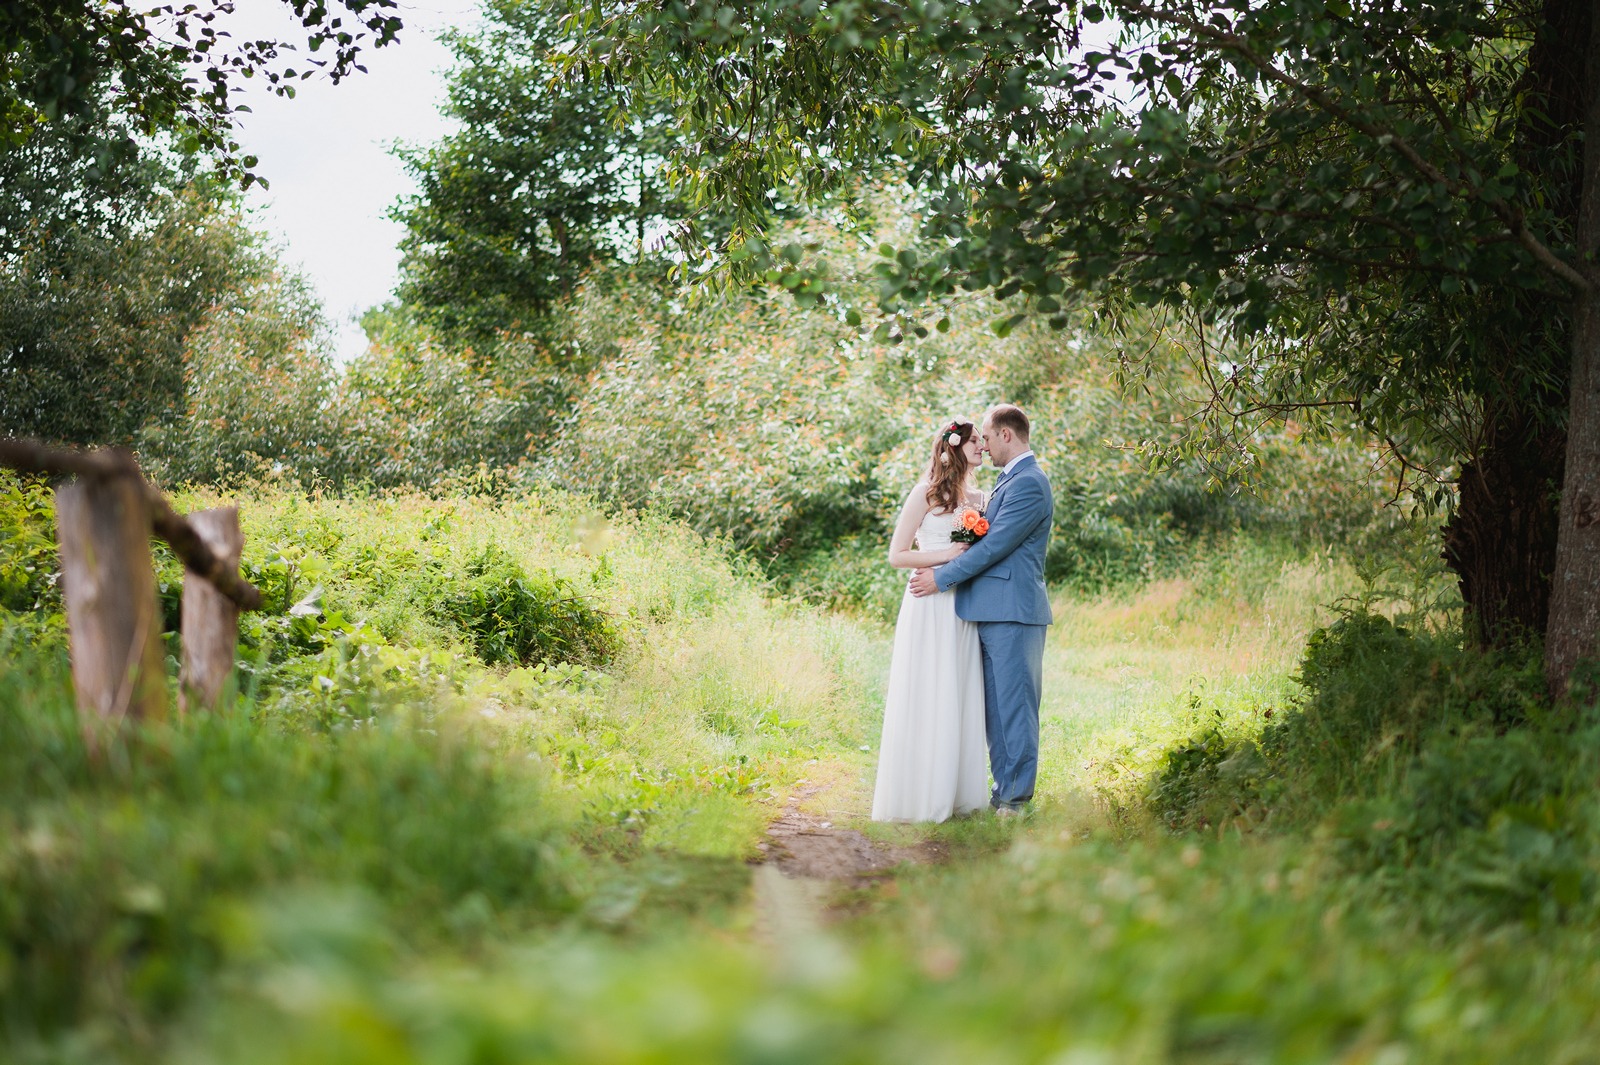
{"points": [[953, 434]]}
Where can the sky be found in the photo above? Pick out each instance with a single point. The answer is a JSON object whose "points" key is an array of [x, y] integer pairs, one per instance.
{"points": [[326, 155]]}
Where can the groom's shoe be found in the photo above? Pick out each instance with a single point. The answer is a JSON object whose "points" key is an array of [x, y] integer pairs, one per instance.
{"points": [[1006, 813]]}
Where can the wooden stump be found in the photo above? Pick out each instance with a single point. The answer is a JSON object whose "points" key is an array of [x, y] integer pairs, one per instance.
{"points": [[210, 622], [113, 616]]}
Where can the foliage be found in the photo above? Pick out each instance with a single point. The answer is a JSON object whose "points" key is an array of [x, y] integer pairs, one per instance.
{"points": [[796, 436], [1485, 829], [228, 880], [737, 414], [258, 387], [1445, 786], [94, 324], [1373, 209], [168, 70], [412, 409], [120, 883], [1280, 166], [29, 566], [334, 805], [512, 616], [538, 184], [262, 396], [87, 173]]}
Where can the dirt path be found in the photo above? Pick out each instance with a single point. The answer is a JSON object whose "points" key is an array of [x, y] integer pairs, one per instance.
{"points": [[810, 863]]}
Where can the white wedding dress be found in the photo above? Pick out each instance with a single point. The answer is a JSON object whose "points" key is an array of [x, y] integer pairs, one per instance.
{"points": [[933, 759]]}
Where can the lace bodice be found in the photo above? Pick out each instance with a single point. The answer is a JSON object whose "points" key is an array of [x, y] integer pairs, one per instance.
{"points": [[935, 530]]}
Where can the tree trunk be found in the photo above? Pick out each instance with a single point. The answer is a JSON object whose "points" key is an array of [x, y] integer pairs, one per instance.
{"points": [[109, 584], [1501, 541], [210, 620], [1575, 598]]}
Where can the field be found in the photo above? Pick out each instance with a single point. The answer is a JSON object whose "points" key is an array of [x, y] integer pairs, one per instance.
{"points": [[444, 821]]}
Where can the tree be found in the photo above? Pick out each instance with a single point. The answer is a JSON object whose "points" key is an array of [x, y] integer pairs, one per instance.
{"points": [[1299, 174], [116, 237], [258, 387], [172, 68], [541, 182], [93, 325]]}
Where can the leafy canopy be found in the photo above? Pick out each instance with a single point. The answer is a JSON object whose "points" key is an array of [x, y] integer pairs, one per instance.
{"points": [[541, 181], [174, 66], [1371, 205]]}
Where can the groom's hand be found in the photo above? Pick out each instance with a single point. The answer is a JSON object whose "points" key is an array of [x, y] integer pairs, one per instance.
{"points": [[923, 583]]}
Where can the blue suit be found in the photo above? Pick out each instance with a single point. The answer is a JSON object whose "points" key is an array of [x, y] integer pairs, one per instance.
{"points": [[999, 583]]}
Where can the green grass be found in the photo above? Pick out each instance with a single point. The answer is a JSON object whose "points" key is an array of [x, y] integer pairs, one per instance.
{"points": [[390, 851], [418, 801]]}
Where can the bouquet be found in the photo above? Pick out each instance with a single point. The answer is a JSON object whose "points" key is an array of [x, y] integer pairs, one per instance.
{"points": [[971, 525]]}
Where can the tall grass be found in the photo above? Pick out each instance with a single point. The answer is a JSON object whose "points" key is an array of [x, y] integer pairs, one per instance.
{"points": [[389, 851], [376, 791]]}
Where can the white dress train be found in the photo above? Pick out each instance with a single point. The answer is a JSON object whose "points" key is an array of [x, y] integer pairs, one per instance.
{"points": [[933, 758]]}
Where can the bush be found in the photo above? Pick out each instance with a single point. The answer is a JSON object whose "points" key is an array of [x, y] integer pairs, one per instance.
{"points": [[852, 574], [1374, 696], [29, 567], [1485, 828], [1442, 777], [258, 386], [511, 616]]}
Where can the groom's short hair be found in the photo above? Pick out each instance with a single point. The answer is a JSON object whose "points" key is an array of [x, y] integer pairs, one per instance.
{"points": [[1006, 416]]}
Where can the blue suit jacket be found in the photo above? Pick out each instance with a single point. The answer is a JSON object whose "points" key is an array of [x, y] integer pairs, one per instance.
{"points": [[1001, 577]]}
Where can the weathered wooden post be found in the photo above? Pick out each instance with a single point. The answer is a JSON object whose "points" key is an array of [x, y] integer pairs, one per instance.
{"points": [[210, 621], [104, 522], [109, 584]]}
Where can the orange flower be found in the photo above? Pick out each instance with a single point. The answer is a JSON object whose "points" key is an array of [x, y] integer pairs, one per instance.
{"points": [[970, 519], [982, 527]]}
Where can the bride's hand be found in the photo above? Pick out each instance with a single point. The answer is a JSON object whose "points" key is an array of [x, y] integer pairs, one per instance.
{"points": [[955, 552]]}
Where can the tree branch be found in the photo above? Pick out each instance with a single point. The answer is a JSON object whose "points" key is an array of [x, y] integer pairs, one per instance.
{"points": [[1512, 217]]}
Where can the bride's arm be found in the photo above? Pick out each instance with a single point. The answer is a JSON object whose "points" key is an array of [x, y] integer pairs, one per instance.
{"points": [[901, 553]]}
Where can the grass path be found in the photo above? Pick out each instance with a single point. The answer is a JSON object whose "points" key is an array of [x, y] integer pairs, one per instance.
{"points": [[1119, 671]]}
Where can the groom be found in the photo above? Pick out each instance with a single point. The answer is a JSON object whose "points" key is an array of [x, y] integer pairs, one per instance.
{"points": [[999, 584]]}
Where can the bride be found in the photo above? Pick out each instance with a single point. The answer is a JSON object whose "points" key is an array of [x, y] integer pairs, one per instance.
{"points": [[933, 760]]}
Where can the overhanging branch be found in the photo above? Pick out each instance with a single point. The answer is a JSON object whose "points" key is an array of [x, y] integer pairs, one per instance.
{"points": [[1508, 213]]}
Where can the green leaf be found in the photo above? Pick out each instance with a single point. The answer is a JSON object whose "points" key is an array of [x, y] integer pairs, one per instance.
{"points": [[1003, 326]]}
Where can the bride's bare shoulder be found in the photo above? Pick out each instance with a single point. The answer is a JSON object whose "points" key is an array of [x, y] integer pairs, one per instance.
{"points": [[917, 498]]}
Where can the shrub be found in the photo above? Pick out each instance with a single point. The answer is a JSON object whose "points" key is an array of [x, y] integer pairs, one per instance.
{"points": [[1442, 777], [851, 574], [1485, 828], [1374, 695], [512, 616], [29, 569]]}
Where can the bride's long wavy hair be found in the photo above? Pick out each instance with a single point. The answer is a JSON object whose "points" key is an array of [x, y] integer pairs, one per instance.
{"points": [[948, 469]]}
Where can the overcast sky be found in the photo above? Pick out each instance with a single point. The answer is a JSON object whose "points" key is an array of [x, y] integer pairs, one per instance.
{"points": [[326, 155]]}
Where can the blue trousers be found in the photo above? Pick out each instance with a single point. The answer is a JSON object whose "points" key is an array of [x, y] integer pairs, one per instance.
{"points": [[1013, 674]]}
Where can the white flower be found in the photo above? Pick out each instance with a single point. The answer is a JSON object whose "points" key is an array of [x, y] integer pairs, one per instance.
{"points": [[954, 439]]}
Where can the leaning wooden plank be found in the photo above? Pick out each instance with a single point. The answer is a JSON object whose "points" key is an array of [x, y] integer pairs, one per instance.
{"points": [[210, 622], [30, 456], [109, 583]]}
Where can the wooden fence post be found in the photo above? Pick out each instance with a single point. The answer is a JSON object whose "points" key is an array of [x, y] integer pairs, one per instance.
{"points": [[109, 584], [210, 623]]}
